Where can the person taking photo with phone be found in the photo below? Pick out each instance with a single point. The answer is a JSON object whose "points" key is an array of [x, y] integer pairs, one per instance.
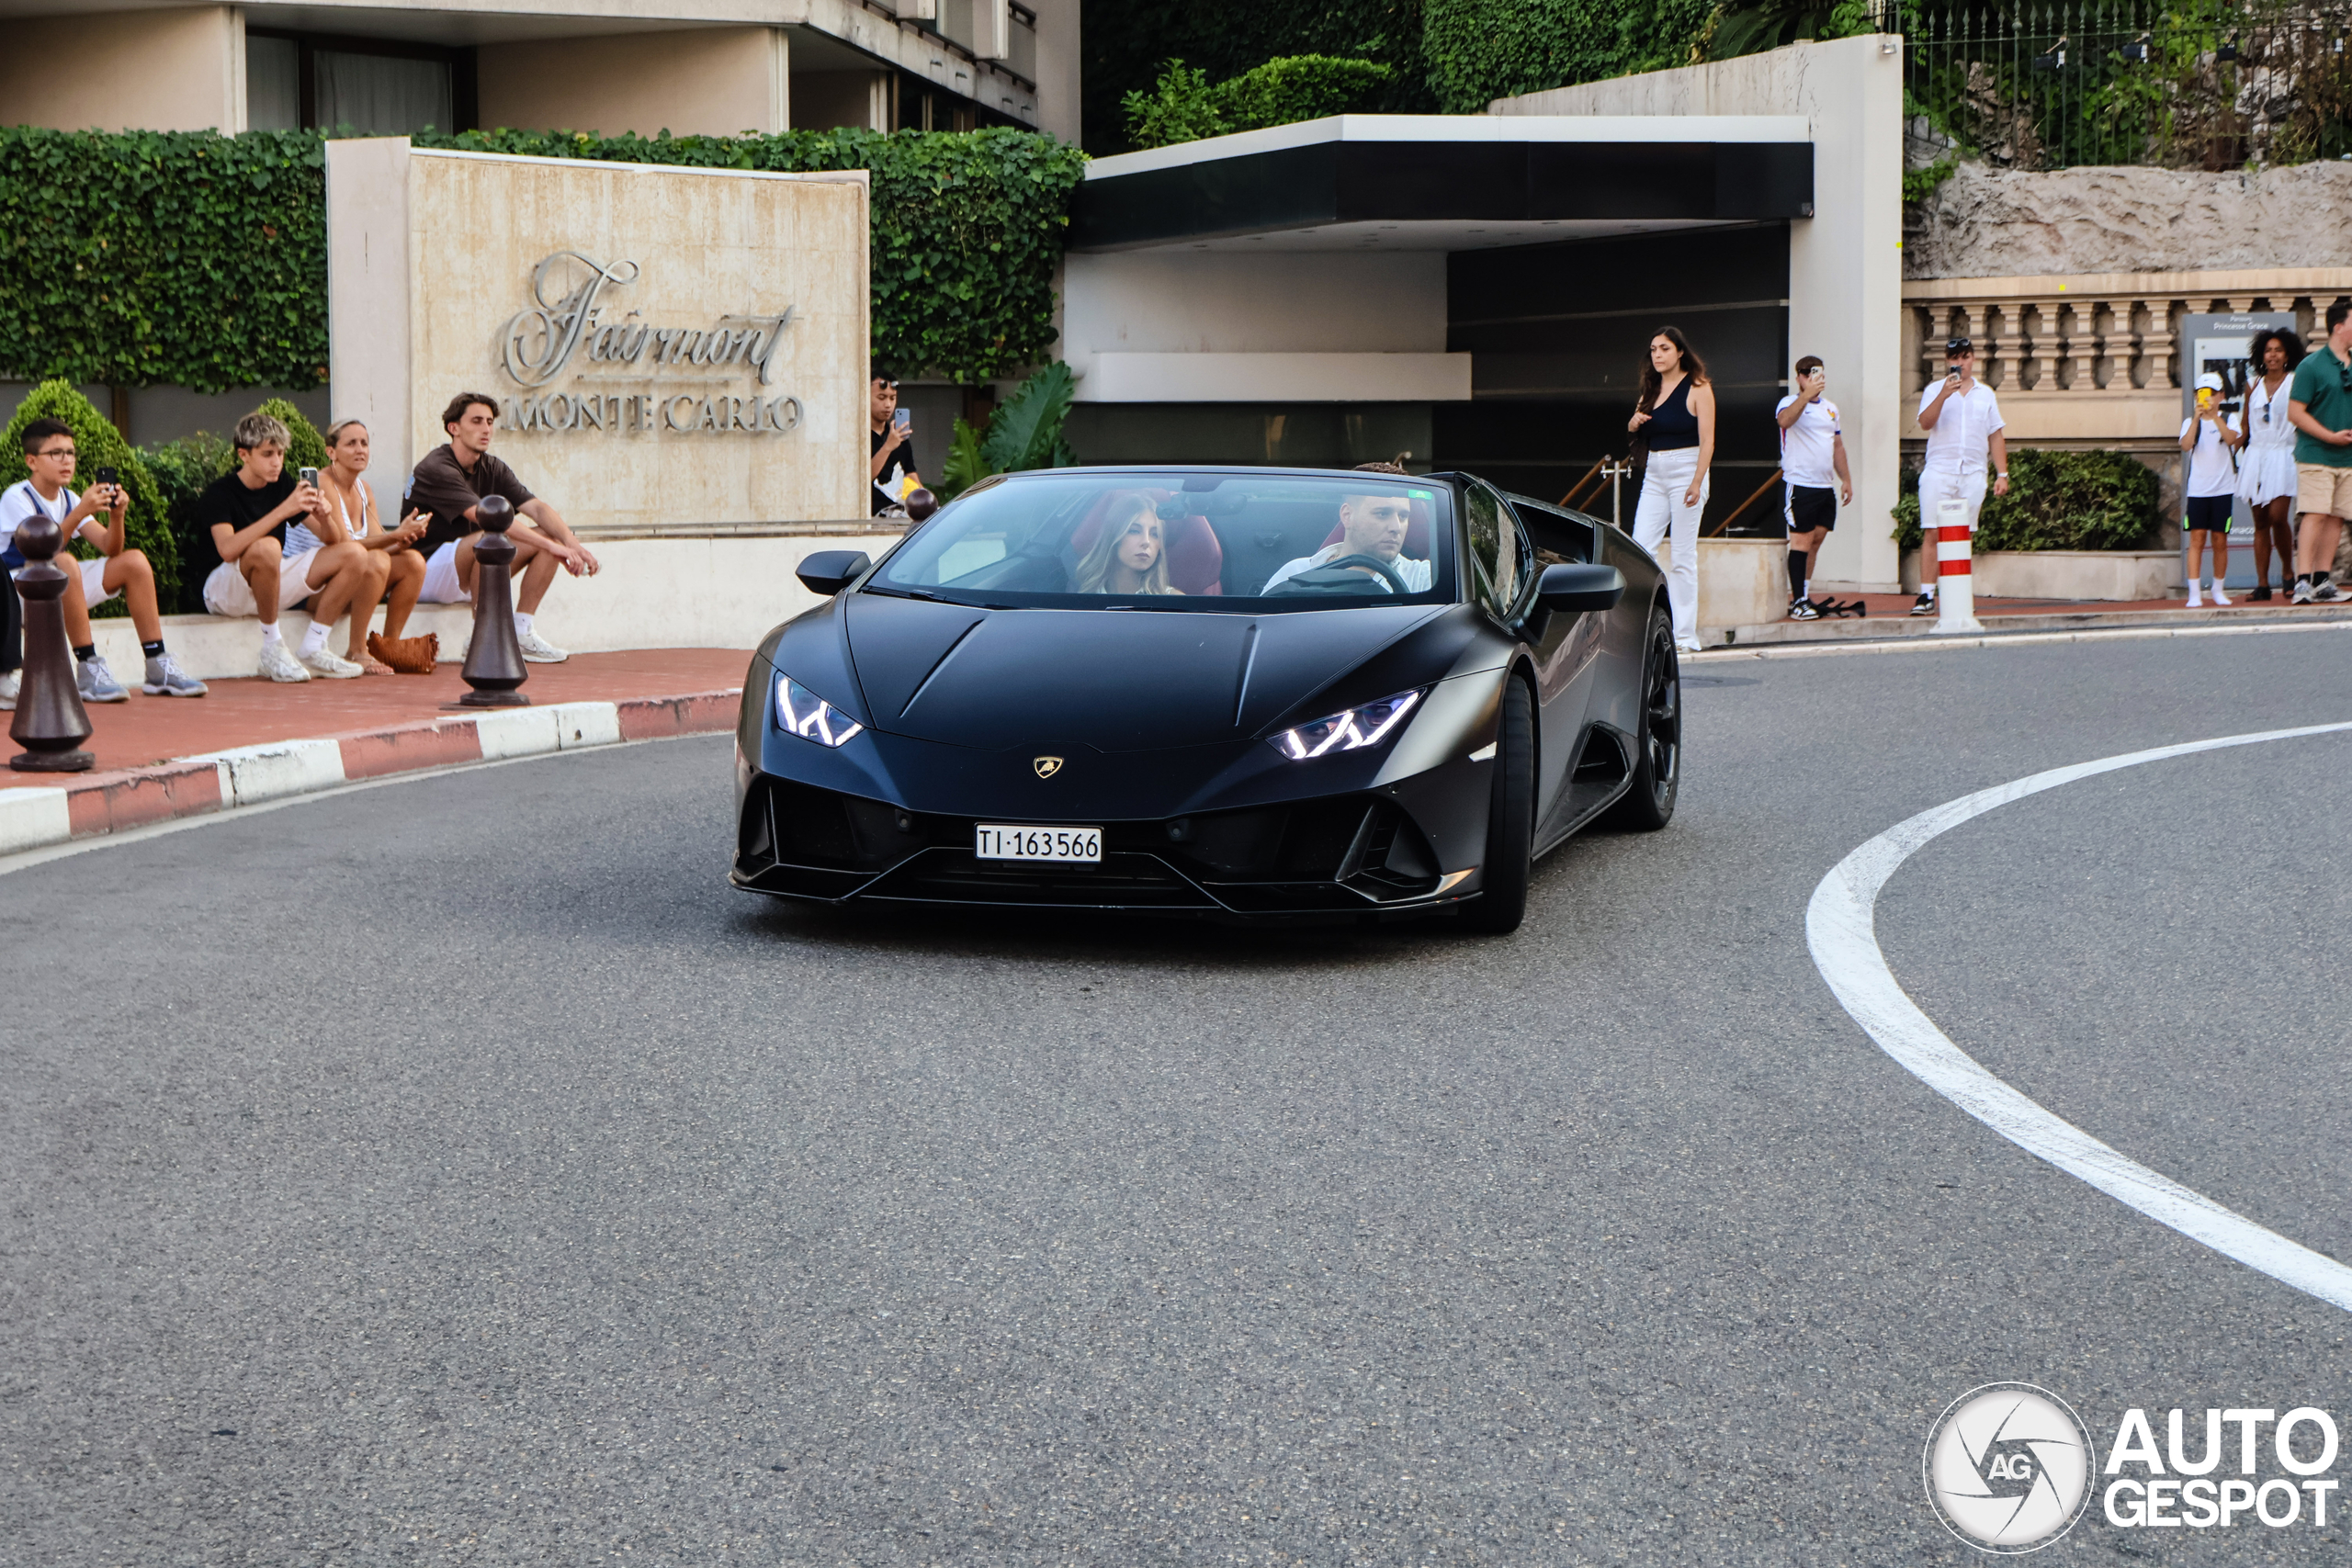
{"points": [[242, 517], [2319, 403], [1962, 420], [893, 470], [1674, 439], [50, 457], [2213, 487], [1813, 459], [388, 561]]}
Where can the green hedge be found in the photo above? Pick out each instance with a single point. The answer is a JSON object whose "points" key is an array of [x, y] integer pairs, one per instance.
{"points": [[190, 259], [1478, 50], [162, 258], [1184, 107], [967, 228], [2057, 500], [97, 445]]}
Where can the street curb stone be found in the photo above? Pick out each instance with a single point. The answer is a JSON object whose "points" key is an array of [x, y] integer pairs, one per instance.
{"points": [[35, 817]]}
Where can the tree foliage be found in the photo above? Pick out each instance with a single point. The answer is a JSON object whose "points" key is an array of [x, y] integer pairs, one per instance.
{"points": [[968, 227], [1184, 107], [97, 445], [1026, 433], [154, 257], [1478, 50]]}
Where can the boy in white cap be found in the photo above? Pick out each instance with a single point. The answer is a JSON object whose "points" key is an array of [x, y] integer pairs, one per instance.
{"points": [[2213, 487]]}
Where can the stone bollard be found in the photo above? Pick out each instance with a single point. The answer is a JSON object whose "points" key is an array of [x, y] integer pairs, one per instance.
{"points": [[494, 665], [921, 504], [49, 724]]}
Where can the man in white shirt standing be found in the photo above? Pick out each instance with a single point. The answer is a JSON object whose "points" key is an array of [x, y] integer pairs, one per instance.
{"points": [[1813, 459], [1962, 420]]}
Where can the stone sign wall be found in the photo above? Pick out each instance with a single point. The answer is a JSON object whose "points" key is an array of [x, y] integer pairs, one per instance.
{"points": [[669, 347]]}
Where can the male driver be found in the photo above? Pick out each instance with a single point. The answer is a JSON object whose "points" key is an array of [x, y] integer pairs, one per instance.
{"points": [[1813, 454], [1962, 420], [449, 482], [1373, 525], [2320, 408], [893, 471], [49, 457], [242, 516]]}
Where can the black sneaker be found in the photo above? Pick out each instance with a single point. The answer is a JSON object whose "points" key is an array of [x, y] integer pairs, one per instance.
{"points": [[2260, 595], [1926, 605], [1802, 610]]}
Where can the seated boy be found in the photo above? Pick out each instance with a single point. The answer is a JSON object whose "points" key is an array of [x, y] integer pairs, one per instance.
{"points": [[244, 514], [50, 453]]}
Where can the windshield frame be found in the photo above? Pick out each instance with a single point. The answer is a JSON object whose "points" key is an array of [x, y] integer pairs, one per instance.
{"points": [[1085, 486]]}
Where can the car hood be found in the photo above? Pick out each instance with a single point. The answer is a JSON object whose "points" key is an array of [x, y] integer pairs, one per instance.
{"points": [[1113, 680]]}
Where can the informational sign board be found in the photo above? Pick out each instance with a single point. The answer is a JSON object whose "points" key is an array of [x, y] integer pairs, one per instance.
{"points": [[670, 348], [2218, 346]]}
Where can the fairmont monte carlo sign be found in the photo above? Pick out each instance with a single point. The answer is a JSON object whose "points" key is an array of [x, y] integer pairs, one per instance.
{"points": [[630, 376]]}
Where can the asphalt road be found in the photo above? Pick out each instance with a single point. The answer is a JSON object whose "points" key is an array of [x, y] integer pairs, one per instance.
{"points": [[457, 1172]]}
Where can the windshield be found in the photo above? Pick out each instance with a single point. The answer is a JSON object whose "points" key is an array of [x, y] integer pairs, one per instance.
{"points": [[1089, 538]]}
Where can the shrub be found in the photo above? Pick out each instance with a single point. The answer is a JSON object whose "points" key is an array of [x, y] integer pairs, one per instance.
{"points": [[182, 470], [1478, 50], [2057, 500], [100, 446], [1183, 107], [305, 447], [1025, 432]]}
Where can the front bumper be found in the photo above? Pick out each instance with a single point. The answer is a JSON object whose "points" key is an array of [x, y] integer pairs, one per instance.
{"points": [[1346, 855]]}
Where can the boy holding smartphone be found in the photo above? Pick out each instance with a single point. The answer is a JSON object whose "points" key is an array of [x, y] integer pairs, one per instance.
{"points": [[893, 472], [51, 457], [1962, 420]]}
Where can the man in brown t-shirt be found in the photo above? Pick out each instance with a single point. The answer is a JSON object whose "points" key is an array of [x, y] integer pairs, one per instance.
{"points": [[448, 483]]}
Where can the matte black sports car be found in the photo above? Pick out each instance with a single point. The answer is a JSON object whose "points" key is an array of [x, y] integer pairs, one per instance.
{"points": [[1230, 693]]}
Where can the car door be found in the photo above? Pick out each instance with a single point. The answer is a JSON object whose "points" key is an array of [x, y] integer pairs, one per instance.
{"points": [[1502, 580], [1568, 657]]}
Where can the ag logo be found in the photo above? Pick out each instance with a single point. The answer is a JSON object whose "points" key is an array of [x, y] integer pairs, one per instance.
{"points": [[2008, 1468], [1046, 766]]}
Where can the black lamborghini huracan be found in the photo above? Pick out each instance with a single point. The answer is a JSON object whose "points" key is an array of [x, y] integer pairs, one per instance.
{"points": [[1229, 693]]}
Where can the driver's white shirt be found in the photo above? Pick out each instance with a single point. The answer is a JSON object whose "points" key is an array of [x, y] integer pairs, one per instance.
{"points": [[1415, 573]]}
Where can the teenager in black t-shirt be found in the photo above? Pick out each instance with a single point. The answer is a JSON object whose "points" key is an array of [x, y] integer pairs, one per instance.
{"points": [[241, 536]]}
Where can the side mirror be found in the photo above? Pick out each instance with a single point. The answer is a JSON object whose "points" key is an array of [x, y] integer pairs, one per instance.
{"points": [[1579, 586], [830, 571]]}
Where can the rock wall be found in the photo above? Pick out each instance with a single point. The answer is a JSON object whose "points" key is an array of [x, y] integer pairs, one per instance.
{"points": [[1987, 222]]}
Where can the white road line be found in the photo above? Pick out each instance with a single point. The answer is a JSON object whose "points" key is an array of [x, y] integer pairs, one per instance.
{"points": [[1841, 928]]}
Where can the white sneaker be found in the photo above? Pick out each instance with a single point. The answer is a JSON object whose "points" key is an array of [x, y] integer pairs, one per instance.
{"points": [[326, 662], [278, 665], [2220, 598], [536, 649], [8, 686]]}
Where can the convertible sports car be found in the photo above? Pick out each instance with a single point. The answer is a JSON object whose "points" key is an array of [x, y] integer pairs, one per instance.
{"points": [[1215, 692]]}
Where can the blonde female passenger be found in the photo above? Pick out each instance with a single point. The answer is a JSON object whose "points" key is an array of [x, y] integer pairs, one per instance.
{"points": [[1131, 555]]}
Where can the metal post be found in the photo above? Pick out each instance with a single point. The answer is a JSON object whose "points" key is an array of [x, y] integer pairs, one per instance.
{"points": [[49, 724], [495, 666], [1615, 473]]}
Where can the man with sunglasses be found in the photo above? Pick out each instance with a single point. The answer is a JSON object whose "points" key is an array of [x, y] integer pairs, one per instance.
{"points": [[2320, 407], [1963, 424]]}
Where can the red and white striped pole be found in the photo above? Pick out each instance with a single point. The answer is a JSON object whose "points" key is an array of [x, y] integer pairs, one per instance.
{"points": [[1955, 585]]}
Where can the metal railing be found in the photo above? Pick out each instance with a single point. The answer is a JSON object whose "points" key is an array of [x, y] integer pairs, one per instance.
{"points": [[2195, 84]]}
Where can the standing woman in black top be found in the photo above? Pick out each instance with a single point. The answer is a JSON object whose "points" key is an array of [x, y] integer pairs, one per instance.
{"points": [[1675, 423]]}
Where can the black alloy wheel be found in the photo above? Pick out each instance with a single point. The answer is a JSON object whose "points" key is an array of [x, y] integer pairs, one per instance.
{"points": [[1648, 803], [1511, 818]]}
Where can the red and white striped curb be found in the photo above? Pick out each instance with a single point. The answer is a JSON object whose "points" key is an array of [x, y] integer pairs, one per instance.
{"points": [[36, 817]]}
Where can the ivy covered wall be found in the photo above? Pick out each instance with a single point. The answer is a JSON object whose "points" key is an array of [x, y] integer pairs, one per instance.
{"points": [[191, 259]]}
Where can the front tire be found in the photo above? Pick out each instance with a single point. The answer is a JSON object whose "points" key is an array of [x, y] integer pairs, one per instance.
{"points": [[1648, 803], [1511, 818]]}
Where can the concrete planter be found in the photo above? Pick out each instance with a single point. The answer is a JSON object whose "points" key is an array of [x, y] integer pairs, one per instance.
{"points": [[1741, 582], [2123, 576]]}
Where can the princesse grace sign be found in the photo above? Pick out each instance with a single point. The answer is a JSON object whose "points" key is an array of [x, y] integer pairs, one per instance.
{"points": [[669, 347]]}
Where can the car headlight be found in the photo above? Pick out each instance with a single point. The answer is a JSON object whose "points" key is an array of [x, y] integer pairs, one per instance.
{"points": [[810, 716], [1351, 731]]}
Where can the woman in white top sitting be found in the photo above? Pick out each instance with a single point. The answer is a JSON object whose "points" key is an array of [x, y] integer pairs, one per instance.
{"points": [[2267, 475], [391, 565]]}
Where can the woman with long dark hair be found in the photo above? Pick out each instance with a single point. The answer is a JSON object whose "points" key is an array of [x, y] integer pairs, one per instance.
{"points": [[2267, 472], [1674, 425]]}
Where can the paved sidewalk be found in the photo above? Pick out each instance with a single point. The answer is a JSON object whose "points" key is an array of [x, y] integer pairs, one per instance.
{"points": [[250, 741], [1890, 617]]}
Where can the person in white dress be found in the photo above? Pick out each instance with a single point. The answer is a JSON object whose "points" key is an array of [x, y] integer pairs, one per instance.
{"points": [[2267, 458], [2212, 489]]}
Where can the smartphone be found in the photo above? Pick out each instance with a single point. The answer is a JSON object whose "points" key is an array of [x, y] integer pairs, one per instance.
{"points": [[903, 420], [308, 476]]}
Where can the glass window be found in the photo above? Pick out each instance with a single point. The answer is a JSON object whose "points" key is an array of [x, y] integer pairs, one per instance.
{"points": [[1497, 545], [273, 84], [379, 95], [1556, 538], [1150, 539]]}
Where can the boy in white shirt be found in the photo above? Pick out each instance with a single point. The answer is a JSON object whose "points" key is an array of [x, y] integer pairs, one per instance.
{"points": [[2212, 488], [50, 457], [1962, 420], [1812, 458]]}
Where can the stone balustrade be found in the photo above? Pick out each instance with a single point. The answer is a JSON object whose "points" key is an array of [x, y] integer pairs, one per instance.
{"points": [[2090, 360]]}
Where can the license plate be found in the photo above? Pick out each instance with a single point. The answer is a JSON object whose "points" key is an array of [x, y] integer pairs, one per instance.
{"points": [[1038, 843]]}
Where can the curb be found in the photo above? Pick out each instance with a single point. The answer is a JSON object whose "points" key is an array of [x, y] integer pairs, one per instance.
{"points": [[36, 817], [2007, 639]]}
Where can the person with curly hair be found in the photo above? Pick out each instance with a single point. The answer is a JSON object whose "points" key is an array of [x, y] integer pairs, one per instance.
{"points": [[2266, 469]]}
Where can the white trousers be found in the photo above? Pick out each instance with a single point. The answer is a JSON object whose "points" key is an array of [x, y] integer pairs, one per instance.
{"points": [[1663, 484], [1938, 484]]}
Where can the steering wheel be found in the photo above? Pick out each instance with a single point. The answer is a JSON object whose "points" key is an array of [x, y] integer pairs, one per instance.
{"points": [[1395, 582]]}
